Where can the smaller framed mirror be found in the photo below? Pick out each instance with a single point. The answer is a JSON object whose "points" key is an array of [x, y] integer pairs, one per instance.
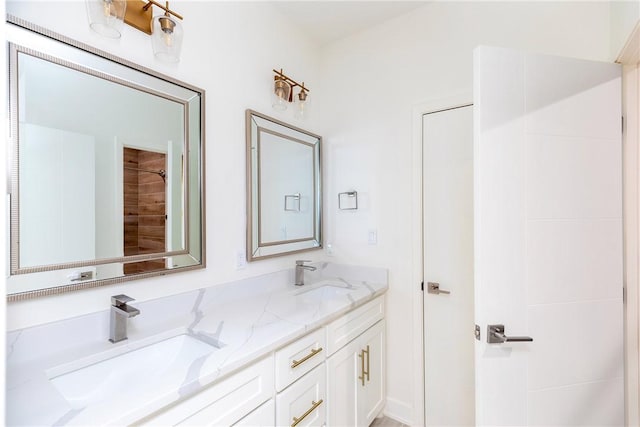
{"points": [[284, 188]]}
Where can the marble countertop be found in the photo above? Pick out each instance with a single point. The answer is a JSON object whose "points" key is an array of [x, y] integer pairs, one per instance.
{"points": [[250, 318]]}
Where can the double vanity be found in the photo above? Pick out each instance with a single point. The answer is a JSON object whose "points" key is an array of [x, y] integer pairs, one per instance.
{"points": [[259, 351]]}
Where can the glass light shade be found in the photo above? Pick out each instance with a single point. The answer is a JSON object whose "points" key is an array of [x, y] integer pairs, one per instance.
{"points": [[106, 17], [302, 105], [166, 38], [280, 97]]}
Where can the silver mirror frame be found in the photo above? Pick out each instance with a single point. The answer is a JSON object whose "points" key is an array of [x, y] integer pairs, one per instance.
{"points": [[257, 250], [194, 253]]}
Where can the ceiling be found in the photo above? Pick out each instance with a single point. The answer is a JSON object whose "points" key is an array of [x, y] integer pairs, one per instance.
{"points": [[327, 21]]}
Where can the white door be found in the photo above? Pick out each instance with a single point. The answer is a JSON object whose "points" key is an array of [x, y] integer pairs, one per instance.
{"points": [[548, 239], [448, 260]]}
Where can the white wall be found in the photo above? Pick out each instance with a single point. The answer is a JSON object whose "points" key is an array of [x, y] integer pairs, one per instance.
{"points": [[369, 84], [229, 51], [625, 16]]}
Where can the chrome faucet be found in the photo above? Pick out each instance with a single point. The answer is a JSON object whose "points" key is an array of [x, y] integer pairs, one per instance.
{"points": [[300, 268], [120, 312]]}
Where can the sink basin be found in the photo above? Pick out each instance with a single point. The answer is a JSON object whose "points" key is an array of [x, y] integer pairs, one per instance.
{"points": [[158, 367], [325, 291]]}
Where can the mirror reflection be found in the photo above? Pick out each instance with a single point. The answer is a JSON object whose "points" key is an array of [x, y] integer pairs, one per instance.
{"points": [[106, 177], [284, 203], [76, 204]]}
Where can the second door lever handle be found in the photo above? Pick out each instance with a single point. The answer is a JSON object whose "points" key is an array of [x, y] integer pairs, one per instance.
{"points": [[434, 288], [495, 335]]}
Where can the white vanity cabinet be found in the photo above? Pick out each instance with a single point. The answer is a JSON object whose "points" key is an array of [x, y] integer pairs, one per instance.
{"points": [[355, 370], [225, 402], [260, 417], [333, 376]]}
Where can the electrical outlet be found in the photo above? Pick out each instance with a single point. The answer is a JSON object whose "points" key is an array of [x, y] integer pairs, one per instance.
{"points": [[372, 237], [241, 260], [329, 249]]}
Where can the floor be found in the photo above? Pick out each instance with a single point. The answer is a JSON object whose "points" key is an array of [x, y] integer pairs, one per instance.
{"points": [[386, 422]]}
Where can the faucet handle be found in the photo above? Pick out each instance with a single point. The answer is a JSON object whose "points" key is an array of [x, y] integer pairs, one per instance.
{"points": [[122, 299], [302, 261]]}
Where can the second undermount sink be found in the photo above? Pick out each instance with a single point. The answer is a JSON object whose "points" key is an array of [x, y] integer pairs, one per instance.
{"points": [[152, 369], [325, 290]]}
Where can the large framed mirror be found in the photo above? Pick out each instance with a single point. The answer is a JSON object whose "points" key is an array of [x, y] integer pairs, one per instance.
{"points": [[107, 167], [284, 188]]}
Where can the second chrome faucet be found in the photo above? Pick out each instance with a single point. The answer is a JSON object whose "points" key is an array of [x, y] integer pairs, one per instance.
{"points": [[300, 268], [120, 312]]}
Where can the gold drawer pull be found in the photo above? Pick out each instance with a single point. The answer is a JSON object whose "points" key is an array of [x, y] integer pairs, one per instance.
{"points": [[296, 363], [368, 365], [365, 372], [361, 377], [314, 406]]}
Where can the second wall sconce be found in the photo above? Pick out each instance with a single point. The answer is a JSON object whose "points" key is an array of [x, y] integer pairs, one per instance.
{"points": [[106, 18], [283, 87]]}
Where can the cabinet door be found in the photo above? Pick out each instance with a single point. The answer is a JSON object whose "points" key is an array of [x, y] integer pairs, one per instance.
{"points": [[303, 403], [263, 416], [342, 372], [223, 403], [371, 395]]}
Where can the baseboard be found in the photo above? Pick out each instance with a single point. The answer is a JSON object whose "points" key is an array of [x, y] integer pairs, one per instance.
{"points": [[399, 411]]}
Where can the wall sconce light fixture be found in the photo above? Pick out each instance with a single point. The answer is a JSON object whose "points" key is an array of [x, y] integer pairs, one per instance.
{"points": [[106, 17], [283, 94]]}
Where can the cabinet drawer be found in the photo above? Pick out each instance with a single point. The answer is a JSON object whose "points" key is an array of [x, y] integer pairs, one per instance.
{"points": [[223, 403], [304, 402], [352, 324], [299, 357]]}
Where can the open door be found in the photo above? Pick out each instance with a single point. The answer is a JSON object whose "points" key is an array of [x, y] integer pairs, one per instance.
{"points": [[548, 240]]}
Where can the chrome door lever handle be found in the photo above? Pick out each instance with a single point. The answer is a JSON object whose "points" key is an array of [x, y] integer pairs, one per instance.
{"points": [[495, 335], [434, 288]]}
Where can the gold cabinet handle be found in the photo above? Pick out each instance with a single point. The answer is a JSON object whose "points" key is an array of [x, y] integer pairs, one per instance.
{"points": [[314, 406], [368, 364], [296, 363], [361, 356]]}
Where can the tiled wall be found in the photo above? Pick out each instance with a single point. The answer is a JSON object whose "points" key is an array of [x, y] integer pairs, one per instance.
{"points": [[144, 207]]}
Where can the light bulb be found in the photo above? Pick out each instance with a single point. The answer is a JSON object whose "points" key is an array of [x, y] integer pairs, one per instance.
{"points": [[106, 8], [166, 38], [281, 92], [302, 105], [106, 17]]}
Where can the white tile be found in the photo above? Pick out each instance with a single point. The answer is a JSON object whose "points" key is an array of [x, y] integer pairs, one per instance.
{"points": [[571, 177], [574, 343], [566, 98], [573, 260], [591, 404]]}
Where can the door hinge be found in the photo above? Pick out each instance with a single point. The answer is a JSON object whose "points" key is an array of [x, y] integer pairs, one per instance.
{"points": [[624, 295], [622, 119], [422, 286]]}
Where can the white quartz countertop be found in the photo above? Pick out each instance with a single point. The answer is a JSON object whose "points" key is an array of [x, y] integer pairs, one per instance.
{"points": [[248, 318]]}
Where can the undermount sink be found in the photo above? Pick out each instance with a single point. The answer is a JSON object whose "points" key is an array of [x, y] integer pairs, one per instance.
{"points": [[325, 290], [159, 367]]}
